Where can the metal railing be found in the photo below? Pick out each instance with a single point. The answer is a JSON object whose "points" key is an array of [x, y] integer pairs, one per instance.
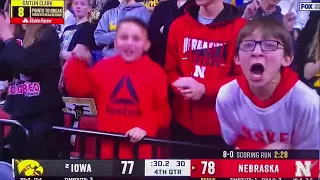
{"points": [[9, 122], [100, 136], [4, 144], [118, 138]]}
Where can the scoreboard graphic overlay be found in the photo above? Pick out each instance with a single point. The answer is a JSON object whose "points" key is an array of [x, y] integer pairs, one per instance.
{"points": [[252, 165], [37, 12]]}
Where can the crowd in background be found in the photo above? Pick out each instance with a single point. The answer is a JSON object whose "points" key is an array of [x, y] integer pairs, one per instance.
{"points": [[178, 30]]}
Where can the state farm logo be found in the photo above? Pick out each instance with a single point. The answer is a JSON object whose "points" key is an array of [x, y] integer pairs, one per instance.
{"points": [[36, 21]]}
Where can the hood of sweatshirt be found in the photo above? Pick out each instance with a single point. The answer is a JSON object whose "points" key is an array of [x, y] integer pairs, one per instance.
{"points": [[229, 13], [288, 79]]}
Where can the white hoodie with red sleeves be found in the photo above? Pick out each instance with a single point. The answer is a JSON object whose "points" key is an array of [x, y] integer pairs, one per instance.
{"points": [[291, 115]]}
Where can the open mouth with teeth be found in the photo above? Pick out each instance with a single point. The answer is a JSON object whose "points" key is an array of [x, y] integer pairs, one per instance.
{"points": [[257, 70], [128, 52]]}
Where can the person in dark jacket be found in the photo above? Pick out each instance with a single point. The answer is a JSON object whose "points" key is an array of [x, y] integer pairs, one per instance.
{"points": [[109, 5], [263, 8], [305, 38], [33, 98], [18, 33], [163, 15], [256, 8]]}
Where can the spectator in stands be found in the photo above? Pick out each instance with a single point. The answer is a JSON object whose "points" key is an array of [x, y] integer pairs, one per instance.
{"points": [[301, 16], [255, 9], [305, 38], [110, 4], [19, 35], [33, 97], [162, 17], [134, 100], [199, 60], [79, 37], [312, 67], [106, 30], [97, 6], [69, 18], [268, 105]]}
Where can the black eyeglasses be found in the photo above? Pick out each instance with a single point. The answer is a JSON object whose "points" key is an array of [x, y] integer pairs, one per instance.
{"points": [[266, 45]]}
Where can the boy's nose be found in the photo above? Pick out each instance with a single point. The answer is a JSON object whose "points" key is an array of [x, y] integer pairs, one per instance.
{"points": [[129, 41], [257, 51]]}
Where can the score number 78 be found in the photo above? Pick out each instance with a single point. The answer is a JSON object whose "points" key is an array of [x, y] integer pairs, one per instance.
{"points": [[208, 167]]}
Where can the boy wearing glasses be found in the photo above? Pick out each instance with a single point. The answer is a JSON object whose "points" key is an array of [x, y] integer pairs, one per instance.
{"points": [[267, 107]]}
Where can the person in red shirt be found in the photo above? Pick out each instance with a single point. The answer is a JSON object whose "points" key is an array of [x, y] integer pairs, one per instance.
{"points": [[130, 90], [199, 60]]}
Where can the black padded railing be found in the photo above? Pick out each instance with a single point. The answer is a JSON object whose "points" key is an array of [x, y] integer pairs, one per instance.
{"points": [[118, 138]]}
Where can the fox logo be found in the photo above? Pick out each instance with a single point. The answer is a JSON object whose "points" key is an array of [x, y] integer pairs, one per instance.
{"points": [[29, 168]]}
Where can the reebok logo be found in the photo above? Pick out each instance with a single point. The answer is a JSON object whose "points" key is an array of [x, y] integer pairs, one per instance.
{"points": [[124, 100]]}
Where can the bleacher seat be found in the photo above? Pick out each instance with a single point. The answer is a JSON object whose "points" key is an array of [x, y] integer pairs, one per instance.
{"points": [[6, 171]]}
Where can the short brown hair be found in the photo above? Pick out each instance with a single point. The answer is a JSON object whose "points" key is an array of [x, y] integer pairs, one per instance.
{"points": [[136, 21], [269, 27]]}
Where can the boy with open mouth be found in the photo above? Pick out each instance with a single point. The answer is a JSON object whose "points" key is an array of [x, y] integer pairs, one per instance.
{"points": [[267, 107]]}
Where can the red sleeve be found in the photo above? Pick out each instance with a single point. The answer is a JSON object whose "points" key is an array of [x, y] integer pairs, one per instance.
{"points": [[249, 144], [160, 115], [172, 57], [77, 78], [212, 88]]}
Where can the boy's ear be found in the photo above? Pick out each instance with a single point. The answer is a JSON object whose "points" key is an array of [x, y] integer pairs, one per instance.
{"points": [[287, 60], [236, 59], [147, 46]]}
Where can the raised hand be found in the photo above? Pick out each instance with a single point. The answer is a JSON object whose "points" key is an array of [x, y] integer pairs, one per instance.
{"points": [[251, 10], [5, 28], [289, 19]]}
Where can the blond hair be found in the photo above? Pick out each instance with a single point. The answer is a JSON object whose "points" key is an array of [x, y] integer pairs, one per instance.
{"points": [[314, 52]]}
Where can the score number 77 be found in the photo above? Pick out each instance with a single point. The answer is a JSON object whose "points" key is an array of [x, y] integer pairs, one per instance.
{"points": [[208, 167], [125, 165]]}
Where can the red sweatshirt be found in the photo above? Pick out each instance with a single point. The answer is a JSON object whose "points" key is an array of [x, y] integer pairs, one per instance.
{"points": [[204, 52], [127, 95]]}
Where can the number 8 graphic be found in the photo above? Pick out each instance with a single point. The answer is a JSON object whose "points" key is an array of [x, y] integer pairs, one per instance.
{"points": [[20, 11]]}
